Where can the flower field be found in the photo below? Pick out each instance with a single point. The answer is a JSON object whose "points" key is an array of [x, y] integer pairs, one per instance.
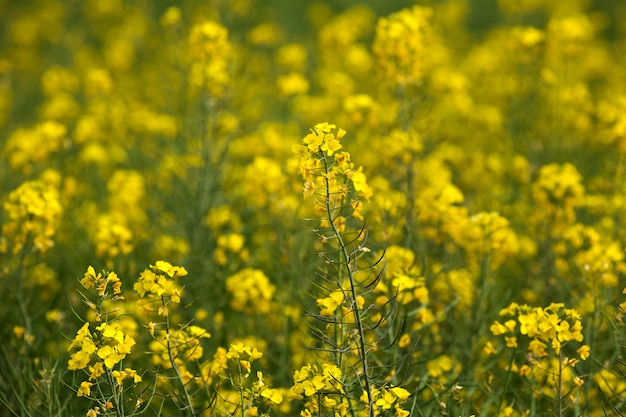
{"points": [[313, 208]]}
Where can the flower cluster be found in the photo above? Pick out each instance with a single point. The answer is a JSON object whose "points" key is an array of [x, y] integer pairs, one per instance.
{"points": [[558, 191], [404, 284], [34, 211], [234, 366], [314, 384], [28, 146], [549, 327], [158, 281], [251, 291], [209, 51], [112, 236], [386, 398], [244, 355], [182, 345], [546, 335], [99, 352], [100, 282], [487, 236], [472, 161], [401, 43], [327, 173]]}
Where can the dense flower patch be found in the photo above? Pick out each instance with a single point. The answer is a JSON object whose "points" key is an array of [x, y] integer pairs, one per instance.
{"points": [[331, 209]]}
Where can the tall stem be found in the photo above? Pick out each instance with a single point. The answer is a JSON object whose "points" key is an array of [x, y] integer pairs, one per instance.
{"points": [[345, 261], [560, 386], [172, 361]]}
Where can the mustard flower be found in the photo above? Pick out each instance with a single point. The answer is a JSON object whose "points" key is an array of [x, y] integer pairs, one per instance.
{"points": [[329, 175], [401, 45], [442, 367], [84, 341], [110, 356], [329, 305], [310, 380], [210, 53], [159, 281], [34, 211], [84, 389], [292, 56], [91, 279], [251, 291], [112, 236], [292, 84], [583, 352], [170, 17], [171, 271], [27, 146], [96, 371], [489, 349]]}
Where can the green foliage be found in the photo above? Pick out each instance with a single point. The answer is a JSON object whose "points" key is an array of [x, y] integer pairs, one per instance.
{"points": [[447, 238]]}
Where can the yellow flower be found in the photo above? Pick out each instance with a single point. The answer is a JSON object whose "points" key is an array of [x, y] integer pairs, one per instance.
{"points": [[125, 347], [537, 348], [401, 393], [19, 331], [329, 402], [168, 269], [292, 84], [95, 371], [119, 376], [399, 412], [529, 324], [109, 355], [93, 412], [82, 334], [131, 373], [511, 342], [313, 141], [524, 370], [84, 389], [90, 279], [386, 400], [578, 382], [583, 352], [78, 360], [404, 341], [273, 395], [329, 305], [507, 412], [489, 349], [112, 331], [498, 328]]}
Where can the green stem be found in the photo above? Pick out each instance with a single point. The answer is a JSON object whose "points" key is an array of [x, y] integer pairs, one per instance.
{"points": [[560, 386], [355, 309], [117, 400], [240, 388], [21, 299], [506, 381], [172, 361]]}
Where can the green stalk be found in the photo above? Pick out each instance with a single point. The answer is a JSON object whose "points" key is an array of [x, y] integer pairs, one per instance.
{"points": [[506, 381], [560, 386], [119, 409], [173, 362], [240, 388], [355, 309]]}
